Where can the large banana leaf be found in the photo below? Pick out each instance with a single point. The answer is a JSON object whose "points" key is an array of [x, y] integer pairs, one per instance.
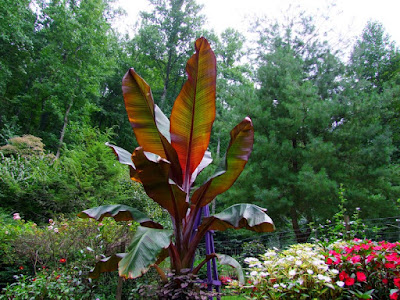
{"points": [[147, 244], [119, 212], [148, 121], [108, 264], [155, 179], [248, 216], [240, 146], [193, 113], [124, 157]]}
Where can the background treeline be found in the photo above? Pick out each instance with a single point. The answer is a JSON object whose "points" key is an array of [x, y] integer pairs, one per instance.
{"points": [[321, 122]]}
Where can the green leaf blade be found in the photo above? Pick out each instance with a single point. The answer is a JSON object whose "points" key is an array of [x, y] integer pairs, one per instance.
{"points": [[108, 264], [238, 216], [119, 212], [146, 246]]}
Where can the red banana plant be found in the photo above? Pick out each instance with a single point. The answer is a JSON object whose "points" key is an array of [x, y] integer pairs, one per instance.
{"points": [[170, 156]]}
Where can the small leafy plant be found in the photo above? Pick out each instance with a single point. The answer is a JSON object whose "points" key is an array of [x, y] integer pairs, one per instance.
{"points": [[170, 156], [300, 272]]}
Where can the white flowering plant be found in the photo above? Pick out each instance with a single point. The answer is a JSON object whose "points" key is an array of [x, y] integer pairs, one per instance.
{"points": [[300, 272]]}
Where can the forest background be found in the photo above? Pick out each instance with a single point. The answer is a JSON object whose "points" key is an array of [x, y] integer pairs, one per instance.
{"points": [[321, 123]]}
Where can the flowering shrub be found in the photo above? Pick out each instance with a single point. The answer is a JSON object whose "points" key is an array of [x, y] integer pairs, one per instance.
{"points": [[30, 254], [48, 285], [299, 272], [368, 270]]}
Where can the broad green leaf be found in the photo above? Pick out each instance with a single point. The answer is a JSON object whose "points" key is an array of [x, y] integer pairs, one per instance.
{"points": [[124, 157], [108, 264], [193, 113], [147, 244], [246, 216], [240, 146], [230, 261], [154, 176], [146, 118], [120, 213]]}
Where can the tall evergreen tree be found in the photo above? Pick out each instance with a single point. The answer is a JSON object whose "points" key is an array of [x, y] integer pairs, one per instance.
{"points": [[293, 158]]}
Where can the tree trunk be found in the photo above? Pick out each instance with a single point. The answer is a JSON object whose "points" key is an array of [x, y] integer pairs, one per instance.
{"points": [[61, 140]]}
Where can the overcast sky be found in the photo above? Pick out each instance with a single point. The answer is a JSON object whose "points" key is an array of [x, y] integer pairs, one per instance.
{"points": [[348, 17]]}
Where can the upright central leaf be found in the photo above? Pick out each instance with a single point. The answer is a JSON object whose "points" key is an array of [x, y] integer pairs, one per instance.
{"points": [[194, 110]]}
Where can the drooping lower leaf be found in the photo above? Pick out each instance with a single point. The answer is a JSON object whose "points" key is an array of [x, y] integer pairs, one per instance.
{"points": [[247, 216], [240, 147], [230, 261], [120, 213], [147, 244], [125, 157], [108, 264]]}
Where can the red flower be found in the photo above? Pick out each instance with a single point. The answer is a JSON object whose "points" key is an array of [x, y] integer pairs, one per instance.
{"points": [[63, 260], [349, 281], [390, 265], [34, 279], [361, 276], [393, 296], [21, 267], [329, 261], [58, 276], [343, 275], [397, 282], [385, 281]]}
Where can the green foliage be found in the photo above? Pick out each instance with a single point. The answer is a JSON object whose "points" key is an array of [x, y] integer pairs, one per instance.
{"points": [[162, 45], [38, 187], [342, 226]]}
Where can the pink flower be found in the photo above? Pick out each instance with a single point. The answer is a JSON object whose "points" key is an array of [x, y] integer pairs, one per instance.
{"points": [[16, 216], [355, 259], [361, 276]]}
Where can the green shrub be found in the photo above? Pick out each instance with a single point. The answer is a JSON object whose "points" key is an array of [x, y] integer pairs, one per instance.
{"points": [[38, 187]]}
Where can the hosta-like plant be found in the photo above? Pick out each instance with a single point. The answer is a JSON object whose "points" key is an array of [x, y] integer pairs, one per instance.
{"points": [[170, 156]]}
